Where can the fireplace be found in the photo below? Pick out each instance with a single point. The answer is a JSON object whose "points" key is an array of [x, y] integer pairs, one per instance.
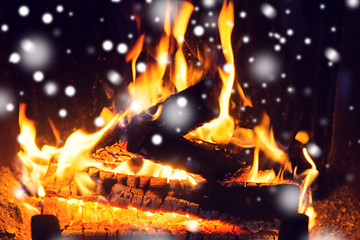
{"points": [[195, 123]]}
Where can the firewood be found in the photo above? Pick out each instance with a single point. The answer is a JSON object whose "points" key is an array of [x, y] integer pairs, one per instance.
{"points": [[177, 117]]}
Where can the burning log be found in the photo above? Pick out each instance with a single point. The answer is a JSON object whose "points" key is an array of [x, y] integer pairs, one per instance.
{"points": [[179, 114], [157, 133], [208, 201]]}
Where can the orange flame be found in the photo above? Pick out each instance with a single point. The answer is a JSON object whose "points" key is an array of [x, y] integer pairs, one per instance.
{"points": [[149, 88], [179, 33]]}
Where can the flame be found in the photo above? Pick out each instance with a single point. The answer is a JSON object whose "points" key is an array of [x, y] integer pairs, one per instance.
{"points": [[150, 168], [74, 157], [35, 161], [220, 130], [310, 175], [149, 88], [179, 33]]}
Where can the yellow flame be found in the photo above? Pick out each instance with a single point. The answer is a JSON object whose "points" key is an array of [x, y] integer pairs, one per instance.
{"points": [[150, 168], [148, 89], [220, 130], [302, 137], [179, 29], [310, 175]]}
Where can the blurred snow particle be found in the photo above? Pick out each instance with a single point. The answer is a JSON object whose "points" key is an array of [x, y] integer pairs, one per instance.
{"points": [[135, 106], [323, 121], [10, 107], [298, 57], [24, 11], [71, 14], [70, 91], [50, 88], [47, 18], [36, 52], [307, 41], [38, 76], [141, 67], [277, 47], [122, 48], [268, 10], [57, 32], [265, 68], [59, 8], [287, 11], [130, 35], [91, 50], [322, 6], [314, 150], [251, 60], [4, 27], [333, 29], [332, 55], [290, 32], [208, 3], [353, 4], [288, 199], [199, 30], [114, 77], [99, 122], [308, 91], [290, 90], [62, 113], [351, 108], [14, 58], [20, 193], [6, 102], [181, 102], [228, 68], [242, 14], [246, 39], [107, 45], [68, 51], [350, 177], [156, 139], [193, 226], [282, 40], [115, 1]]}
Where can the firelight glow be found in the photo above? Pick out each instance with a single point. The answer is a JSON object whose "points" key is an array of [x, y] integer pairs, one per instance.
{"points": [[149, 87]]}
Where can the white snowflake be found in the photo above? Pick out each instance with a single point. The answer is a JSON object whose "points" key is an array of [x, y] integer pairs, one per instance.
{"points": [[268, 10]]}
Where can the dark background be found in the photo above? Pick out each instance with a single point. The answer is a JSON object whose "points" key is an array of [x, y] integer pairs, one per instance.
{"points": [[320, 103]]}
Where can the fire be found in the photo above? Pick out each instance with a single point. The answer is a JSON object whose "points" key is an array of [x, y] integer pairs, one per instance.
{"points": [[148, 88]]}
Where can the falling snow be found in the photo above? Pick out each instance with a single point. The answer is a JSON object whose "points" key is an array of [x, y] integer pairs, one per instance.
{"points": [[156, 139], [51, 88], [122, 48], [24, 11], [70, 91], [199, 31], [47, 18], [268, 11], [332, 55], [114, 77], [107, 45], [38, 76]]}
